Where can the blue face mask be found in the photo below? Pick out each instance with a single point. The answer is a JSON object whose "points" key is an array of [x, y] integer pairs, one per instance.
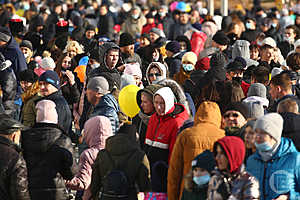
{"points": [[248, 26], [201, 180], [188, 67], [70, 29], [263, 147]]}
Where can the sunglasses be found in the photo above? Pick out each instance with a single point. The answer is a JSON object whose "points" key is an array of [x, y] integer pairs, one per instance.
{"points": [[235, 115], [154, 74]]}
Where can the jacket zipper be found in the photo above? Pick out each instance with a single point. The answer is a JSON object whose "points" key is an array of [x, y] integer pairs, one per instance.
{"points": [[156, 130], [264, 179]]}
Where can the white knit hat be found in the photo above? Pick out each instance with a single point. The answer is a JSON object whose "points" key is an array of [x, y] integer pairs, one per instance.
{"points": [[48, 63]]}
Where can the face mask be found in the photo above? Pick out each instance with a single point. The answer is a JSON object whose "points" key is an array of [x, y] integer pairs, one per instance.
{"points": [[26, 55], [201, 180], [259, 43], [248, 26], [135, 16], [278, 16], [274, 25], [95, 65], [162, 14], [287, 39], [71, 28], [264, 15], [187, 67], [26, 6], [237, 80], [156, 58], [263, 146]]}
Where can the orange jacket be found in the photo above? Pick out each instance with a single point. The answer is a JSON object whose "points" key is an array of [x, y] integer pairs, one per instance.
{"points": [[190, 143]]}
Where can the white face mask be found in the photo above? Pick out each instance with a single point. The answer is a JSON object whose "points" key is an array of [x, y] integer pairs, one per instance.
{"points": [[95, 65], [26, 55]]}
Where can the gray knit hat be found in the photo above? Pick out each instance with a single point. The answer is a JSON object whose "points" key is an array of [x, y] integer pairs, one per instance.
{"points": [[271, 123], [257, 89], [98, 84]]}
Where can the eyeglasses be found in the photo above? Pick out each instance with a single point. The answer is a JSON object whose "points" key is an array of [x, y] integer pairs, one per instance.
{"points": [[154, 74], [235, 115]]}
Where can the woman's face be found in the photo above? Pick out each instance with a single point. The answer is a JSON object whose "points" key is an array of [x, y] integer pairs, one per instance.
{"points": [[249, 137], [72, 52], [262, 136], [66, 63], [199, 172], [254, 54], [183, 46], [221, 159], [153, 74]]}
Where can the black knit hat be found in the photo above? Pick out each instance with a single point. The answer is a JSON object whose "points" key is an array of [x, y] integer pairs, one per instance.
{"points": [[239, 63], [240, 107], [217, 60], [28, 75], [26, 43], [221, 38], [90, 27], [146, 35], [5, 34], [205, 160], [125, 40], [173, 46], [129, 130], [50, 77], [149, 15]]}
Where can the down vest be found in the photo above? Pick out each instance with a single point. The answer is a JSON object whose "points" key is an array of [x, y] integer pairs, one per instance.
{"points": [[192, 142], [280, 175]]}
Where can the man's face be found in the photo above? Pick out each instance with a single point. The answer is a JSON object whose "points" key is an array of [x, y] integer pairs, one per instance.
{"points": [[146, 104], [103, 10], [219, 46], [112, 58], [290, 33], [144, 42], [2, 43], [26, 51], [46, 88], [267, 54], [184, 18], [235, 73], [128, 49], [90, 34], [153, 37], [92, 97], [274, 91], [159, 105], [234, 118], [25, 85]]}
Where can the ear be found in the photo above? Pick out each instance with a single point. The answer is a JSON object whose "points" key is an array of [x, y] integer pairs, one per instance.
{"points": [[278, 88]]}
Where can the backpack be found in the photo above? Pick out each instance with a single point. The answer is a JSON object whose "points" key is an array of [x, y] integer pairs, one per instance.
{"points": [[115, 185]]}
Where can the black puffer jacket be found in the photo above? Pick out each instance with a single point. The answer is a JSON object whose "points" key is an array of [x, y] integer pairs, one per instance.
{"points": [[63, 110], [291, 127], [13, 172], [48, 154]]}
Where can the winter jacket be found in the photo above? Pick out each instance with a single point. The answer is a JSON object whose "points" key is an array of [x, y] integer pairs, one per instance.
{"points": [[96, 131], [291, 127], [8, 85], [13, 53], [133, 26], [124, 151], [108, 107], [192, 142], [240, 185], [162, 132], [69, 92], [273, 108], [48, 154], [103, 70], [167, 22], [147, 27], [178, 29], [14, 182], [28, 113], [63, 110], [280, 175], [198, 39], [105, 26]]}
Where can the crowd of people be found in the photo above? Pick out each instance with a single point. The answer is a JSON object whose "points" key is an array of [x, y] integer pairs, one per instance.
{"points": [[213, 111]]}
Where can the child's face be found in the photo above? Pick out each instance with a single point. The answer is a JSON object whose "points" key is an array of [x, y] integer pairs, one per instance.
{"points": [[254, 54], [199, 172]]}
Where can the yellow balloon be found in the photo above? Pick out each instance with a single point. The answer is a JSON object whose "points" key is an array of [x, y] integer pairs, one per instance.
{"points": [[127, 100]]}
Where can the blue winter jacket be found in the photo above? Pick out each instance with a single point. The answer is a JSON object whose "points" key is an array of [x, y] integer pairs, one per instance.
{"points": [[108, 107], [280, 175]]}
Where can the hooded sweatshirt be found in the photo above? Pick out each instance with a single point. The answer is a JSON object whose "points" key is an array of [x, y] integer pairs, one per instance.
{"points": [[241, 49], [161, 67], [96, 131], [162, 129], [190, 143]]}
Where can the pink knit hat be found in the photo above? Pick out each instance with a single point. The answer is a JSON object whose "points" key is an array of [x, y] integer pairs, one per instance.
{"points": [[133, 69], [46, 112]]}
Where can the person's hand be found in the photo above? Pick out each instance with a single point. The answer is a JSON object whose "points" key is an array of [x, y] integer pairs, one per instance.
{"points": [[282, 197], [71, 77]]}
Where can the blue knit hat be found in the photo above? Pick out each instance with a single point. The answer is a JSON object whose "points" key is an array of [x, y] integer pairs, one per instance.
{"points": [[50, 77]]}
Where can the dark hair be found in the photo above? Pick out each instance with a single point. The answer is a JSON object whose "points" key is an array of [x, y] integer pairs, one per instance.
{"points": [[59, 65], [296, 30], [283, 80], [261, 74], [293, 61]]}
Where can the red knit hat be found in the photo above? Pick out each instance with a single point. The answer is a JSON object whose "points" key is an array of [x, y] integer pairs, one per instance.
{"points": [[234, 148], [203, 64]]}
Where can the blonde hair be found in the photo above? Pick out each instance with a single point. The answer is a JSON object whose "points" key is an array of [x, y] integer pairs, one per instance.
{"points": [[74, 44]]}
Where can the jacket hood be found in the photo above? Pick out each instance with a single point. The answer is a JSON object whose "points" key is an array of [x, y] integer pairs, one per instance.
{"points": [[168, 97], [177, 91], [161, 67], [41, 137], [96, 131], [109, 100], [120, 144], [209, 111], [234, 149], [150, 89], [264, 101], [286, 146], [103, 50], [241, 48]]}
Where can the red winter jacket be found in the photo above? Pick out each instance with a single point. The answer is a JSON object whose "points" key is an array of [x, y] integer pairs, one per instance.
{"points": [[197, 41], [245, 86], [162, 132], [147, 27]]}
